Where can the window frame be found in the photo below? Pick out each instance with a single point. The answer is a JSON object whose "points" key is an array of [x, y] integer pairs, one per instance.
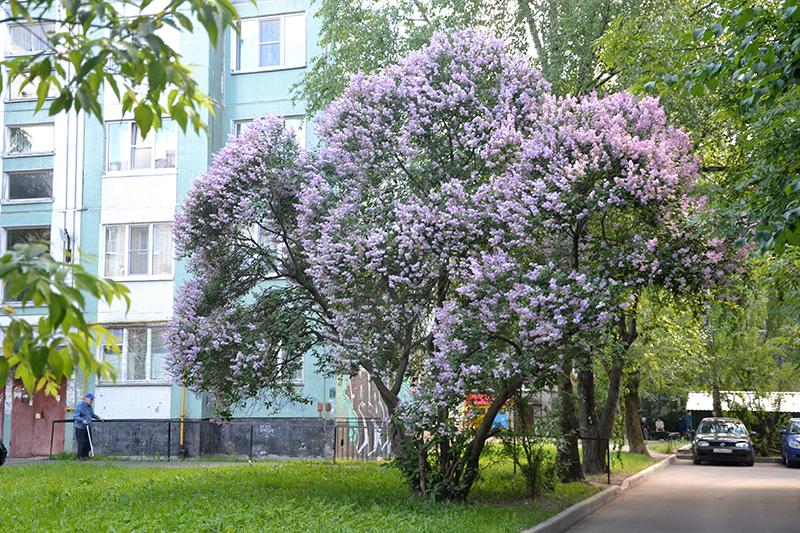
{"points": [[7, 140], [13, 88], [150, 142], [238, 41], [300, 132], [123, 332], [151, 252], [299, 377], [6, 248], [36, 199], [9, 42]]}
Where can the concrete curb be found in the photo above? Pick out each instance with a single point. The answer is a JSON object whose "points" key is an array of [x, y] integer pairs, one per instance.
{"points": [[569, 517]]}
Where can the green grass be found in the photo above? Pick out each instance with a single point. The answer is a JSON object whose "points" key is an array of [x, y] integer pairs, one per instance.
{"points": [[276, 497]]}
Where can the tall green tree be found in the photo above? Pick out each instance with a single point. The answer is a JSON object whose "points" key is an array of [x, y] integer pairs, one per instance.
{"points": [[80, 45], [748, 57]]}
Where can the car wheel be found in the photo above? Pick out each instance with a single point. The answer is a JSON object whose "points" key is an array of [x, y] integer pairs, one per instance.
{"points": [[696, 460], [790, 464], [750, 462]]}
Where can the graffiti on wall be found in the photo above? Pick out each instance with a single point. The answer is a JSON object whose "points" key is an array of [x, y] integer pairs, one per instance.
{"points": [[367, 415]]}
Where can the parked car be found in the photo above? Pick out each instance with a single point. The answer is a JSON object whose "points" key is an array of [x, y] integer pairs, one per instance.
{"points": [[790, 443], [723, 440]]}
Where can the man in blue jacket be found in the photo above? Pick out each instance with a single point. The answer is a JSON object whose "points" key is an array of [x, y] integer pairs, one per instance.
{"points": [[84, 415]]}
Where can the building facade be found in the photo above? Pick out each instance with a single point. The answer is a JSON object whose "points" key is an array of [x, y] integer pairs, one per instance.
{"points": [[107, 194]]}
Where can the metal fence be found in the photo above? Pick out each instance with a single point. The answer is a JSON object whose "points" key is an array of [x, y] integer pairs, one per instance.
{"points": [[364, 440]]}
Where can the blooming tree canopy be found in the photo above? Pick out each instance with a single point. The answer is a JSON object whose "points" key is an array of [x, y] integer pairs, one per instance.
{"points": [[459, 230]]}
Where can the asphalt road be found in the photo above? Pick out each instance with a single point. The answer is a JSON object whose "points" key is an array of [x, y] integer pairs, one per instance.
{"points": [[685, 498]]}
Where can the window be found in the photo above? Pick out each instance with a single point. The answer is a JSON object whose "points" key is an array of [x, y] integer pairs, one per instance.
{"points": [[28, 235], [30, 139], [128, 150], [17, 92], [271, 43], [29, 185], [28, 38], [295, 124], [297, 376], [138, 250], [141, 354]]}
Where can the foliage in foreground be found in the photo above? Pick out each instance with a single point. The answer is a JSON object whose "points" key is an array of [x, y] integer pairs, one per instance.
{"points": [[296, 497], [41, 353]]}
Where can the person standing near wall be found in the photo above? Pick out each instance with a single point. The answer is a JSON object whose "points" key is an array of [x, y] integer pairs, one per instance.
{"points": [[84, 416]]}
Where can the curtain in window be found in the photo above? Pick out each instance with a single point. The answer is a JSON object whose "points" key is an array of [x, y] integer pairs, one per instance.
{"points": [[139, 250], [295, 41], [269, 43], [28, 38], [115, 255], [162, 249], [142, 148]]}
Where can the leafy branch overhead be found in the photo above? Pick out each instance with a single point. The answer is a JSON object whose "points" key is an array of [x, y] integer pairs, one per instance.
{"points": [[123, 45], [41, 353], [758, 50]]}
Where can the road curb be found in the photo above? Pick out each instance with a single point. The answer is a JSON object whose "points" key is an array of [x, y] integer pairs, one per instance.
{"points": [[571, 516]]}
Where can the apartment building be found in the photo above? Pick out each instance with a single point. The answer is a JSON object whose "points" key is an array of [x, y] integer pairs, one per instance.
{"points": [[108, 194]]}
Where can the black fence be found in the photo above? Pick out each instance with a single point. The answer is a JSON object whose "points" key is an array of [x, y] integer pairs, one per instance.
{"points": [[296, 438], [318, 438]]}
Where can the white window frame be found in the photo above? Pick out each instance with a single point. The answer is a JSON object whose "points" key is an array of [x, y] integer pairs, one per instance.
{"points": [[42, 151], [125, 251], [33, 199], [9, 50], [297, 123], [299, 376], [123, 332], [251, 26], [150, 142], [14, 90]]}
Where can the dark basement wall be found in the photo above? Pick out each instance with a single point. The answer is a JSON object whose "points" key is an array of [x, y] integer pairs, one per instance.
{"points": [[261, 437]]}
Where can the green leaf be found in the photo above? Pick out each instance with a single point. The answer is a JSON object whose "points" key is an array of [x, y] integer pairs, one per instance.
{"points": [[698, 33], [144, 118], [4, 368]]}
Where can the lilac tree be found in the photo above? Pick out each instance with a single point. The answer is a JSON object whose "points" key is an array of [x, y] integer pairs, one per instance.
{"points": [[459, 231], [245, 320]]}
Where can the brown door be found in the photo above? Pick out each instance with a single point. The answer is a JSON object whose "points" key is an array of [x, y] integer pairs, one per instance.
{"points": [[32, 421]]}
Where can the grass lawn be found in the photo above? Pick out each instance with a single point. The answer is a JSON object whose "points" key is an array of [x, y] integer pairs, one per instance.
{"points": [[260, 497]]}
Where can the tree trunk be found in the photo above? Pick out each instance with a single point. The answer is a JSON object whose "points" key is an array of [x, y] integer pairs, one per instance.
{"points": [[594, 425], [569, 459], [466, 470], [594, 457], [633, 428], [716, 400]]}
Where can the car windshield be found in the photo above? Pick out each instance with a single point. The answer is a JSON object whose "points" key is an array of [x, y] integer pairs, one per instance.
{"points": [[722, 426], [794, 429]]}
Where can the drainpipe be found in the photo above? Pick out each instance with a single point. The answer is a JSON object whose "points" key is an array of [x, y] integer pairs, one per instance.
{"points": [[182, 452]]}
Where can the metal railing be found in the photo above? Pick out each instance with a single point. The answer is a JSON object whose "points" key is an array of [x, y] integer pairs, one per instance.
{"points": [[366, 440]]}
